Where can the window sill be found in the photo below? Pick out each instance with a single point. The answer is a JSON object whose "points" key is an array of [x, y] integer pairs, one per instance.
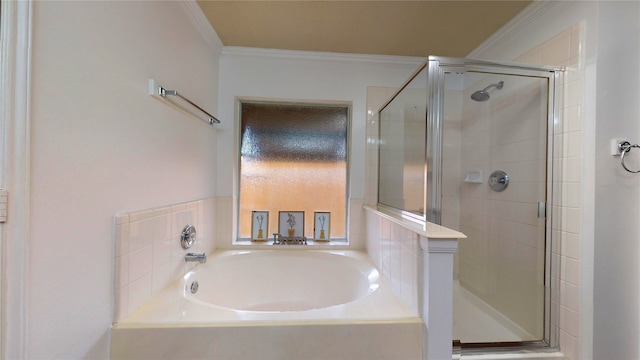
{"points": [[332, 245]]}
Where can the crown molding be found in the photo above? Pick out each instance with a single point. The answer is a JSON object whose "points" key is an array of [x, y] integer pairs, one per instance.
{"points": [[203, 25], [238, 51], [515, 25]]}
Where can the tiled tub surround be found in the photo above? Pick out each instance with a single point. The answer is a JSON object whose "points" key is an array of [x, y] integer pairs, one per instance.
{"points": [[419, 262], [386, 327], [148, 254]]}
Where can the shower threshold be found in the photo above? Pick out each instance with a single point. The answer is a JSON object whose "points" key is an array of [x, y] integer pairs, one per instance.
{"points": [[482, 333], [475, 322]]}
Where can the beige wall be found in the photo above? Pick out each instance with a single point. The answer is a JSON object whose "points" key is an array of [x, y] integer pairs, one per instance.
{"points": [[100, 145]]}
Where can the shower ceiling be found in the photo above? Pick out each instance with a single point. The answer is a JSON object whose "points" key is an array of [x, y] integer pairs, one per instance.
{"points": [[409, 28]]}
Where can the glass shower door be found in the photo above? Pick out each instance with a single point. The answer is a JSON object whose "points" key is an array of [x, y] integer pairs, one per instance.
{"points": [[496, 124]]}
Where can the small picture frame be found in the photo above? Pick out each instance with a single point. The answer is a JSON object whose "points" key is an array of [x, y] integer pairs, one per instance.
{"points": [[291, 223], [260, 226], [321, 226]]}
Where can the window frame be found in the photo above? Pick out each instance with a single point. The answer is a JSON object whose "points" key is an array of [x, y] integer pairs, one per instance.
{"points": [[237, 239]]}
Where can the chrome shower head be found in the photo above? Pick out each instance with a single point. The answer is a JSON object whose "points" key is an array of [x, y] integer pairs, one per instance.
{"points": [[483, 95]]}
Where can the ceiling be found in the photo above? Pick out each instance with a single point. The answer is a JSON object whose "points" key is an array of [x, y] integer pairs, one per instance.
{"points": [[407, 28]]}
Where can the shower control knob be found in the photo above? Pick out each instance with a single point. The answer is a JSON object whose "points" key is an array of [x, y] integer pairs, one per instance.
{"points": [[188, 236], [498, 180]]}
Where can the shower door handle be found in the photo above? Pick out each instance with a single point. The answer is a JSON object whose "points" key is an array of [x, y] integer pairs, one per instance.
{"points": [[542, 210]]}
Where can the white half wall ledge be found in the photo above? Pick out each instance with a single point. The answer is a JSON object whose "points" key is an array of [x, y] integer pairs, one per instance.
{"points": [[429, 230], [437, 292]]}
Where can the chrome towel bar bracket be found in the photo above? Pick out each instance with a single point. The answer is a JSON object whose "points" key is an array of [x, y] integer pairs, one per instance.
{"points": [[622, 147], [159, 91]]}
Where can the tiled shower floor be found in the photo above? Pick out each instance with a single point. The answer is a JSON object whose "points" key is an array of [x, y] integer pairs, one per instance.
{"points": [[476, 322]]}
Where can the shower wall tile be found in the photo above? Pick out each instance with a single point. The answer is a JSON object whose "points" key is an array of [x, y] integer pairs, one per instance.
{"points": [[566, 191], [533, 56], [148, 254], [570, 246], [557, 49], [453, 173]]}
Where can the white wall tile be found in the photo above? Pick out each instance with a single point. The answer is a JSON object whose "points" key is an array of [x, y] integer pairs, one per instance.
{"points": [[527, 213], [122, 239], [140, 233], [181, 218], [558, 49], [409, 279], [140, 263], [570, 295], [569, 321], [121, 271], [140, 215], [571, 245], [122, 218], [395, 250], [571, 271], [165, 275], [139, 292], [162, 252], [572, 118], [148, 253], [121, 305]]}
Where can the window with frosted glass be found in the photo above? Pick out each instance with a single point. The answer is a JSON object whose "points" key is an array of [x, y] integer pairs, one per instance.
{"points": [[293, 157]]}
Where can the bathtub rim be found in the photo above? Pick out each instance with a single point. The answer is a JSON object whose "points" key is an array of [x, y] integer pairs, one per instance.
{"points": [[168, 310]]}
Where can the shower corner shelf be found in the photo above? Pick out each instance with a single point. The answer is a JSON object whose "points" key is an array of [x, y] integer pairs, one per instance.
{"points": [[473, 177]]}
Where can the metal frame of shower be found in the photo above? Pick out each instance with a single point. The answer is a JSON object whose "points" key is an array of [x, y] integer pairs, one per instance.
{"points": [[437, 67]]}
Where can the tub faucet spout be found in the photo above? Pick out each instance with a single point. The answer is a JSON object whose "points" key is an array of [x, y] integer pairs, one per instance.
{"points": [[193, 257]]}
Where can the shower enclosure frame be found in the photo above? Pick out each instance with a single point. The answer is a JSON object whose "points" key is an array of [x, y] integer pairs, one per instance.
{"points": [[436, 69]]}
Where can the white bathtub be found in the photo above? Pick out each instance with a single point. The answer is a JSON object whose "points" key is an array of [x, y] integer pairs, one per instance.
{"points": [[274, 304], [280, 281]]}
